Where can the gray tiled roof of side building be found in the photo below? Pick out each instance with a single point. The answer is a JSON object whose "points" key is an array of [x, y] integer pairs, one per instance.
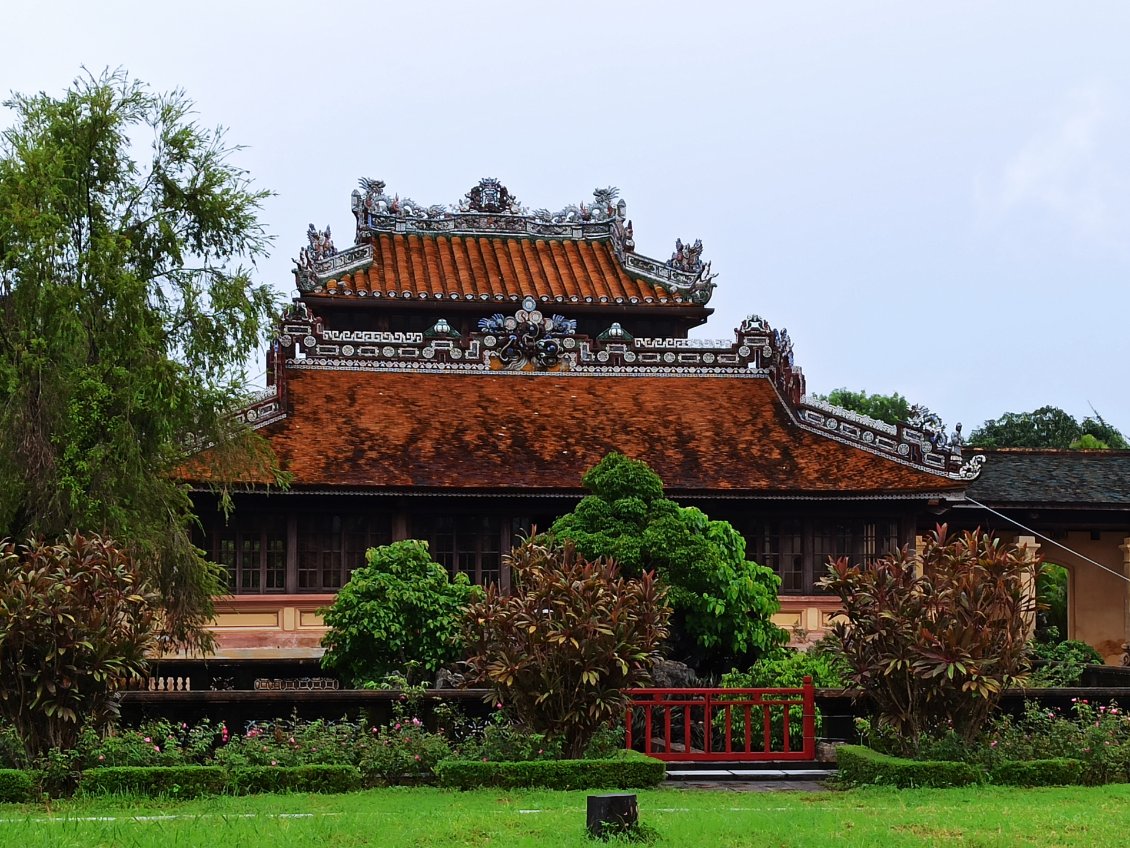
{"points": [[1077, 478]]}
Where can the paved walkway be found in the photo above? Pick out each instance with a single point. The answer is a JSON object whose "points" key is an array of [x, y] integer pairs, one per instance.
{"points": [[747, 785]]}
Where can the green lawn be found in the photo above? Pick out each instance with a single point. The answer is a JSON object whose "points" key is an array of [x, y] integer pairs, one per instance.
{"points": [[428, 817]]}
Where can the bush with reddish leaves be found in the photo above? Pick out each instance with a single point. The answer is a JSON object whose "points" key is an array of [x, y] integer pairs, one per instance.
{"points": [[561, 648], [76, 618], [935, 637]]}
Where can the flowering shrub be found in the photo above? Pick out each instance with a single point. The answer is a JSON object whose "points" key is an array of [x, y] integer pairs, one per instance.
{"points": [[292, 743], [159, 743], [403, 752], [1096, 734]]}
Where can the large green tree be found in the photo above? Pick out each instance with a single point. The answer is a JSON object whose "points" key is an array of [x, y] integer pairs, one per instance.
{"points": [[1047, 427], [893, 408], [723, 603], [127, 312], [399, 612]]}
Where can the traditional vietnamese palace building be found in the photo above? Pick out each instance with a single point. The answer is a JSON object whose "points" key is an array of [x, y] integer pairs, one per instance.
{"points": [[452, 374]]}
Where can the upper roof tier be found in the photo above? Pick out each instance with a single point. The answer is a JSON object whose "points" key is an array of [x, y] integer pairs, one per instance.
{"points": [[488, 247]]}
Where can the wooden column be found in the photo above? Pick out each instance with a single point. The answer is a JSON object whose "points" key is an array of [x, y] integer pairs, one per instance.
{"points": [[1125, 548], [1032, 549]]}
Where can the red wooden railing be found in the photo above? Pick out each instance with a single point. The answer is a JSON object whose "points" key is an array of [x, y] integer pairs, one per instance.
{"points": [[684, 725]]}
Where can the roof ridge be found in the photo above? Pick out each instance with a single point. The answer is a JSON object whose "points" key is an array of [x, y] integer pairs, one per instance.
{"points": [[489, 210]]}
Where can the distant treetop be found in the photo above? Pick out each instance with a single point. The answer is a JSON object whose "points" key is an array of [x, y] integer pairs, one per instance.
{"points": [[1048, 427]]}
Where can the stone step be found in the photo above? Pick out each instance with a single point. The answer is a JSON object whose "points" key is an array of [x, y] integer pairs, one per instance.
{"points": [[754, 772]]}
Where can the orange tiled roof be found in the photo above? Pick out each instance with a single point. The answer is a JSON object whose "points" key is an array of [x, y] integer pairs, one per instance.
{"points": [[491, 431], [495, 268]]}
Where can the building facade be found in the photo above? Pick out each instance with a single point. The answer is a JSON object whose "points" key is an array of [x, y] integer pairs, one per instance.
{"points": [[453, 373]]}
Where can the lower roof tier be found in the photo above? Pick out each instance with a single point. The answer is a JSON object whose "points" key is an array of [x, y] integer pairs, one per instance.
{"points": [[540, 432]]}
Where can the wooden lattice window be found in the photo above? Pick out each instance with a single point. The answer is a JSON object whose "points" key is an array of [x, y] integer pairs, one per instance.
{"points": [[468, 544], [254, 556], [330, 547]]}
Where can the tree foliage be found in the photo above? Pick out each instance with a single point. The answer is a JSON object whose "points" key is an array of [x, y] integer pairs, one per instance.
{"points": [[125, 321], [76, 617], [398, 611], [1048, 427], [893, 408], [561, 649], [935, 638], [723, 603]]}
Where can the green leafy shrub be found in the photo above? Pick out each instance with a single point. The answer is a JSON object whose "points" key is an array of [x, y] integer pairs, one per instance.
{"points": [[503, 741], [172, 781], [1063, 662], [13, 755], [16, 786], [859, 766], [560, 650], [310, 778], [628, 770], [399, 607], [607, 742], [934, 639], [723, 604], [784, 668], [787, 668], [1061, 771], [78, 617]]}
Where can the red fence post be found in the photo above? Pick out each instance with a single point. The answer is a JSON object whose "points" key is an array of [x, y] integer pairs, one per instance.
{"points": [[809, 719]]}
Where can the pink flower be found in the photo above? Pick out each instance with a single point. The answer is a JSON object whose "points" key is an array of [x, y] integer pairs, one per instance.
{"points": [[148, 740], [484, 759], [498, 706], [375, 730], [992, 744], [274, 762], [416, 722], [157, 748], [396, 726], [418, 756], [101, 758]]}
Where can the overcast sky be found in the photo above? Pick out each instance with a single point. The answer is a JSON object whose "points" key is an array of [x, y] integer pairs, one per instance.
{"points": [[933, 199]]}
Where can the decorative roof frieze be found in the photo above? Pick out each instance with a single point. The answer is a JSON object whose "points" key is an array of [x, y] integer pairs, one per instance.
{"points": [[489, 209], [921, 439]]}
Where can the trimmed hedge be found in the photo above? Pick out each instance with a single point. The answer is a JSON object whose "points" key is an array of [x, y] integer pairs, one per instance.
{"points": [[180, 781], [1053, 772], [859, 765], [16, 786], [192, 781], [628, 770], [315, 778]]}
